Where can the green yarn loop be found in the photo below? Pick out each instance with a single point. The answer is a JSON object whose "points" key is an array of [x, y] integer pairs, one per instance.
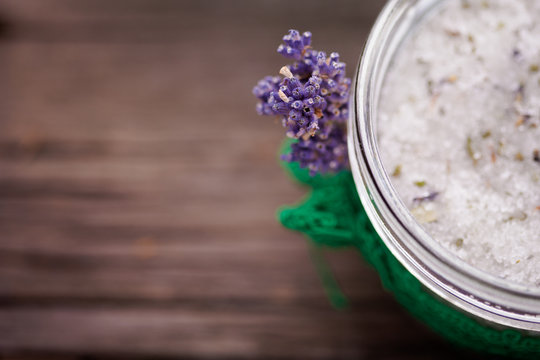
{"points": [[332, 215]]}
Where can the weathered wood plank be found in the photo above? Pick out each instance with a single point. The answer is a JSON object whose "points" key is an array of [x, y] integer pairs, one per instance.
{"points": [[210, 333]]}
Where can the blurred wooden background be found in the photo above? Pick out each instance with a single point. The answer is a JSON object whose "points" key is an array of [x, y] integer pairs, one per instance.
{"points": [[138, 189]]}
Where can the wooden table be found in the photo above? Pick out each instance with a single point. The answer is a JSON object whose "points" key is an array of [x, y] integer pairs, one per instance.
{"points": [[138, 189]]}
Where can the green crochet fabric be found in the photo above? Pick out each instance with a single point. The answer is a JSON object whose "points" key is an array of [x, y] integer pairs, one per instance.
{"points": [[332, 215]]}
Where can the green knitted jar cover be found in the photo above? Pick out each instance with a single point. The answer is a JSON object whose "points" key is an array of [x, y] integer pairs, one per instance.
{"points": [[332, 215]]}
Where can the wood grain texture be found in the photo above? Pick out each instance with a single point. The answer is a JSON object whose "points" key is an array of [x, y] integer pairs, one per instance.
{"points": [[138, 189]]}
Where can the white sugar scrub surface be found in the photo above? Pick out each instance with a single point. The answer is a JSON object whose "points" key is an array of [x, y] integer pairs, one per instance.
{"points": [[459, 132]]}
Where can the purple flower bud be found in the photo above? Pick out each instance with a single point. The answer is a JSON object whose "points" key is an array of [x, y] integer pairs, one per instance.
{"points": [[274, 97], [288, 51], [319, 102], [265, 87], [302, 121], [313, 127], [285, 122], [338, 98], [300, 132], [310, 91], [291, 37], [295, 115], [298, 93], [294, 45], [306, 38], [315, 80], [280, 108], [264, 109], [340, 150], [297, 105], [333, 112], [309, 102], [344, 113], [330, 85], [292, 83], [285, 90], [321, 58]]}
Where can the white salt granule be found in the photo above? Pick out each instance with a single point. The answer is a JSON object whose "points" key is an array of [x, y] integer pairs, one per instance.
{"points": [[460, 116]]}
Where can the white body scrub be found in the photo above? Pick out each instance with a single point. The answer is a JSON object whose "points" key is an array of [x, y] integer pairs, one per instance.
{"points": [[459, 132]]}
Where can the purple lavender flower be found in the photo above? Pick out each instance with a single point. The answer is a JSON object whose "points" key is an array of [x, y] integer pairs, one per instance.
{"points": [[295, 44], [301, 105], [263, 90], [321, 155], [312, 100]]}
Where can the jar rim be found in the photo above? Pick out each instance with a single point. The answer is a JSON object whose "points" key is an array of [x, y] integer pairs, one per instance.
{"points": [[475, 291]]}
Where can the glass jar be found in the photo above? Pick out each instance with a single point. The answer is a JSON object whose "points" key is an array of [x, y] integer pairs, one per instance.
{"points": [[498, 302]]}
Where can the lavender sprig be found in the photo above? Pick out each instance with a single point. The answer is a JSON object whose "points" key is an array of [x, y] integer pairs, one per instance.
{"points": [[321, 155], [312, 100], [295, 44]]}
